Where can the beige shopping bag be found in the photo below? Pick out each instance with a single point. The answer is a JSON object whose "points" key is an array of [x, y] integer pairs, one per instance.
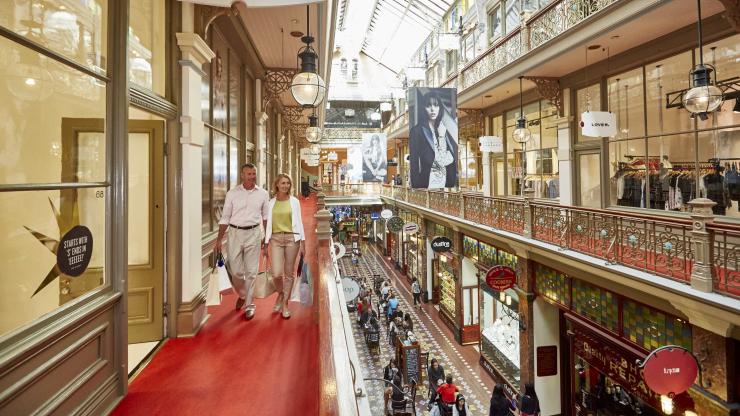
{"points": [[263, 284], [213, 295]]}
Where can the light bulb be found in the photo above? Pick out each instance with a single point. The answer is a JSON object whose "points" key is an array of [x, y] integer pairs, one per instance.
{"points": [[508, 300], [502, 296], [666, 404]]}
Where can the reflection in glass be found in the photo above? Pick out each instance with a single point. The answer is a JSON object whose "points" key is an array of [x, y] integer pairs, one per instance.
{"points": [[220, 176], [76, 30], [146, 44], [589, 176]]}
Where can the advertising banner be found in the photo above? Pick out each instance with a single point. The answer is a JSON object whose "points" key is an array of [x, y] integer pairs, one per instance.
{"points": [[374, 157], [433, 137]]}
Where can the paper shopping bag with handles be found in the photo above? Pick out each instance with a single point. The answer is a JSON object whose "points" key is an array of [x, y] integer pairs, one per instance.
{"points": [[263, 284], [295, 293], [213, 294], [306, 286]]}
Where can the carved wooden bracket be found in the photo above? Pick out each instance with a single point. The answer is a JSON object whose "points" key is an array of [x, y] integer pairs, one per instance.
{"points": [[732, 13], [276, 82], [207, 15], [549, 89], [292, 114]]}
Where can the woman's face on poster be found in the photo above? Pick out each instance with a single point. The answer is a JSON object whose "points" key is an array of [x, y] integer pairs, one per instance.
{"points": [[432, 109]]}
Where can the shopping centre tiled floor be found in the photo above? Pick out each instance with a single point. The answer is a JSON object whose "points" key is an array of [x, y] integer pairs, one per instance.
{"points": [[434, 336]]}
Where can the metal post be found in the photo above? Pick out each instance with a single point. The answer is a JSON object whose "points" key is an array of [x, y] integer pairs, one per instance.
{"points": [[528, 211]]}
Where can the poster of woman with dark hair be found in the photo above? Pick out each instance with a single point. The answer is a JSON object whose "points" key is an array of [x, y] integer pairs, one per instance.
{"points": [[433, 138], [374, 163]]}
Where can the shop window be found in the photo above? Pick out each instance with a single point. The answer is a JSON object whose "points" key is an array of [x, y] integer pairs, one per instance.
{"points": [[513, 16], [77, 33], [146, 48], [235, 88], [468, 155], [447, 286], [553, 285], [54, 132], [494, 24], [451, 61], [533, 164], [206, 217], [500, 331], [651, 329], [596, 304], [587, 99], [589, 180], [343, 67], [652, 168]]}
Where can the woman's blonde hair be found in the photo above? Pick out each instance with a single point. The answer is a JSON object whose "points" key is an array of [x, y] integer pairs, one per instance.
{"points": [[277, 179]]}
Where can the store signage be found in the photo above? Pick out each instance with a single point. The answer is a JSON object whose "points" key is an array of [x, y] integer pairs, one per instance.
{"points": [[670, 370], [500, 278], [411, 228], [75, 251], [386, 214], [441, 244], [351, 289], [491, 144], [395, 224], [308, 153], [619, 364], [375, 216], [339, 250], [598, 124]]}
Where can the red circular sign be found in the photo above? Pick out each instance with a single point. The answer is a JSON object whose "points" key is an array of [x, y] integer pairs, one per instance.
{"points": [[500, 278], [670, 370]]}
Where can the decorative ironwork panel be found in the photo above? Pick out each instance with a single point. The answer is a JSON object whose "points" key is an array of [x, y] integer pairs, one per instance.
{"points": [[596, 304], [417, 197], [277, 81], [553, 285], [562, 17], [659, 247], [726, 261], [446, 202], [497, 58], [650, 328], [550, 224]]}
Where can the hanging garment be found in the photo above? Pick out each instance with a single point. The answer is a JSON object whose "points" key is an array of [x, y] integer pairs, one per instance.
{"points": [[716, 190]]}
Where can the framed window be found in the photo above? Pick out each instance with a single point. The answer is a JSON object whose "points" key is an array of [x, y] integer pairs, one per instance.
{"points": [[512, 15], [451, 61], [495, 28], [146, 45], [587, 99]]}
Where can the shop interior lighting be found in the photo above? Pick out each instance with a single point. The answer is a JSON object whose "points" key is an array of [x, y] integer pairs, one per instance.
{"points": [[508, 300], [666, 404], [307, 87], [704, 97], [690, 413], [502, 296], [521, 133]]}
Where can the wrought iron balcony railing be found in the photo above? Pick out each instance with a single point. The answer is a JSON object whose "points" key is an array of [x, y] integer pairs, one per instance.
{"points": [[689, 251]]}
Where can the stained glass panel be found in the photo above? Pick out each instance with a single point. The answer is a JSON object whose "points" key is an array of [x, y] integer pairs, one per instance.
{"points": [[552, 284], [470, 248], [651, 329], [596, 304], [487, 254]]}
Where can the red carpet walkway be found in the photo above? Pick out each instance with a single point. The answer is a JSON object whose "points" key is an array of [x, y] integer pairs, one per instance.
{"points": [[266, 366]]}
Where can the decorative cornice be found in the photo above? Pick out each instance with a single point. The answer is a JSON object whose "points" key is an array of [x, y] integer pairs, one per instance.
{"points": [[549, 89]]}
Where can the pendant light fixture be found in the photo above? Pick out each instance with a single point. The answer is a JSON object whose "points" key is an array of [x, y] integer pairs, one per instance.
{"points": [[521, 133], [307, 87], [703, 97], [313, 133]]}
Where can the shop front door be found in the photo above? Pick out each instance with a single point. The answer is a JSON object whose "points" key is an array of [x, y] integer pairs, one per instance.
{"points": [[145, 221]]}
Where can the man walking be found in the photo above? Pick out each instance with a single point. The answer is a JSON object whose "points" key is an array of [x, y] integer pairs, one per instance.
{"points": [[416, 291], [244, 209]]}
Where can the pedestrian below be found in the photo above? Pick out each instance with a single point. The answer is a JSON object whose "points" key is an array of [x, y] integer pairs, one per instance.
{"points": [[395, 327], [246, 207], [447, 393], [529, 404], [435, 373], [392, 305], [390, 371], [500, 405], [408, 324], [460, 408], [385, 289], [416, 291], [285, 237]]}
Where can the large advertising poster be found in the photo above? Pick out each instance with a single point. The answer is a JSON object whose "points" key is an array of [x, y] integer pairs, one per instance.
{"points": [[433, 137], [374, 157]]}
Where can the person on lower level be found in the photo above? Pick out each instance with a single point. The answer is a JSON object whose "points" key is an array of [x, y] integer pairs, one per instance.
{"points": [[500, 405], [416, 291], [245, 209], [447, 392], [435, 373], [285, 238], [529, 404], [460, 408]]}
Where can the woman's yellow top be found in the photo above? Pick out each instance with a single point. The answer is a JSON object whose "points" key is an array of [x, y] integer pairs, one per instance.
{"points": [[282, 217]]}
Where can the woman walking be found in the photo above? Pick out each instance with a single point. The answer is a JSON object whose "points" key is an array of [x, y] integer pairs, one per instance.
{"points": [[285, 237], [500, 405], [529, 404]]}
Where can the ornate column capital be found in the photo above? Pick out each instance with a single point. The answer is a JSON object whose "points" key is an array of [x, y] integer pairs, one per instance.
{"points": [[194, 48]]}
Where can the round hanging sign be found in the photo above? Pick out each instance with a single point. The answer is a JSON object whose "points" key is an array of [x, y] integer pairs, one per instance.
{"points": [[500, 278], [386, 214], [75, 251], [339, 250], [670, 370], [441, 244], [395, 224], [351, 289], [411, 228]]}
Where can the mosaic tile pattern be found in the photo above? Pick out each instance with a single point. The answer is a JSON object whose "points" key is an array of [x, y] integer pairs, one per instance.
{"points": [[651, 329], [431, 338]]}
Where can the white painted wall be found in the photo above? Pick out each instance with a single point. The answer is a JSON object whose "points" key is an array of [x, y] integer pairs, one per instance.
{"points": [[469, 271], [547, 332]]}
